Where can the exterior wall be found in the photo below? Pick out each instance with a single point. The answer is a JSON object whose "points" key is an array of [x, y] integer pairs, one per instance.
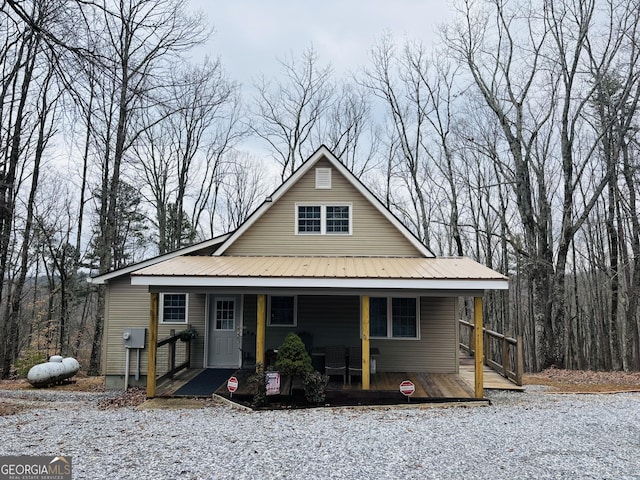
{"points": [[128, 307], [274, 233], [437, 349], [330, 320], [335, 320], [249, 325]]}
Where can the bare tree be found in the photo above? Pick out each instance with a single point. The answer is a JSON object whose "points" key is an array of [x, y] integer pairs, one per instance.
{"points": [[137, 40], [177, 156], [529, 63], [241, 191], [286, 113]]}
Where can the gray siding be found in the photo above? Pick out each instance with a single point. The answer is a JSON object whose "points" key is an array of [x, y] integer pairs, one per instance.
{"points": [[128, 306], [331, 320], [274, 232], [328, 319], [335, 320], [437, 349]]}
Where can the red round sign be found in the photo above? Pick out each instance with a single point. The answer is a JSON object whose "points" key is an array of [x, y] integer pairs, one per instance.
{"points": [[232, 384], [407, 388]]}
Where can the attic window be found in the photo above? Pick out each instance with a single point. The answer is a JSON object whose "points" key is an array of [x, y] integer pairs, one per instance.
{"points": [[323, 219], [323, 178]]}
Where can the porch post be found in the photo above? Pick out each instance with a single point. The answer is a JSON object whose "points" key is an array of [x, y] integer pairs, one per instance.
{"points": [[479, 350], [153, 346], [366, 372], [261, 322]]}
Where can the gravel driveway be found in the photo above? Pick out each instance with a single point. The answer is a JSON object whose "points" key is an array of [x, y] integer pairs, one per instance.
{"points": [[521, 435]]}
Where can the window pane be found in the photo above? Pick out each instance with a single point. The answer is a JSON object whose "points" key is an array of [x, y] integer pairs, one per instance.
{"points": [[309, 219], [174, 307], [225, 315], [378, 317], [337, 219], [282, 311], [403, 312]]}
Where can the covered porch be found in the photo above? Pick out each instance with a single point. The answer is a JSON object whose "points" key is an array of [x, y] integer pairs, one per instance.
{"points": [[429, 358], [434, 387], [405, 308]]}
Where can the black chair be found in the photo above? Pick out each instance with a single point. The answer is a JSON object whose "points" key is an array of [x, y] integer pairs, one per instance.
{"points": [[355, 362], [335, 361]]}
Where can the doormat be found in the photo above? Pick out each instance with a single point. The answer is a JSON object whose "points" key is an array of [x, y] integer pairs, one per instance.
{"points": [[205, 383]]}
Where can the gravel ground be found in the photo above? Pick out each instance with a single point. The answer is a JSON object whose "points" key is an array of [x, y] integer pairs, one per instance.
{"points": [[521, 435]]}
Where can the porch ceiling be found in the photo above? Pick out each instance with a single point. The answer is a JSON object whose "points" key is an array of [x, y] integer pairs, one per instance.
{"points": [[348, 272]]}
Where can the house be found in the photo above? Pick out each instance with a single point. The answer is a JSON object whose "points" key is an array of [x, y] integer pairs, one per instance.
{"points": [[321, 256]]}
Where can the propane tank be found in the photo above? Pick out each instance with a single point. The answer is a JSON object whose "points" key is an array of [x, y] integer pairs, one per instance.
{"points": [[54, 371]]}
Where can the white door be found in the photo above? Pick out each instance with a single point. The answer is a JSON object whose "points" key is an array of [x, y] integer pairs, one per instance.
{"points": [[224, 332]]}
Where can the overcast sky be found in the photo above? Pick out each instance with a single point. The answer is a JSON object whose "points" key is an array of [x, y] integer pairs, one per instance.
{"points": [[251, 34]]}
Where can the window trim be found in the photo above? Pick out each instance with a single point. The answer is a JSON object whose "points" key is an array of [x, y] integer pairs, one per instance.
{"points": [[323, 218], [390, 317], [161, 319], [295, 312]]}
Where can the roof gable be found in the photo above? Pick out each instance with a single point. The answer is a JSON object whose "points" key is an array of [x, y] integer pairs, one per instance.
{"points": [[382, 234]]}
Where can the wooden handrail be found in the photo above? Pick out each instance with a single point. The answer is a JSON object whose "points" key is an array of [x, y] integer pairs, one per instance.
{"points": [[171, 340], [510, 348]]}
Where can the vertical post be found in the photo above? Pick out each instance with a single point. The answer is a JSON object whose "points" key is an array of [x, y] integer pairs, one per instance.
{"points": [[506, 358], [519, 361], [477, 316], [486, 344], [261, 323], [153, 346], [171, 358], [366, 371], [187, 350]]}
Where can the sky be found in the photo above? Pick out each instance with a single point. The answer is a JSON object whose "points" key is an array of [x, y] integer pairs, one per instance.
{"points": [[249, 36]]}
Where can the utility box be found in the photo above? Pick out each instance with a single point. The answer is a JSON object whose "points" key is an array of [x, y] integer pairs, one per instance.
{"points": [[134, 337]]}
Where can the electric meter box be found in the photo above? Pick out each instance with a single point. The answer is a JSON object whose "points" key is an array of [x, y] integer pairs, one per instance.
{"points": [[134, 337]]}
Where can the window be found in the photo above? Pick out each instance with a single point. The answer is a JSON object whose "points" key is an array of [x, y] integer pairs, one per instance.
{"points": [[323, 219], [225, 314], [282, 311], [337, 219], [393, 317], [173, 308], [309, 219]]}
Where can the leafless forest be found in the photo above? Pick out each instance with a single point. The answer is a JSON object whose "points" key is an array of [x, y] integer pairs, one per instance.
{"points": [[513, 141]]}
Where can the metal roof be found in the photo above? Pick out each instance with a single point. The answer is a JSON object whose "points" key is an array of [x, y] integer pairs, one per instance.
{"points": [[191, 249], [321, 271]]}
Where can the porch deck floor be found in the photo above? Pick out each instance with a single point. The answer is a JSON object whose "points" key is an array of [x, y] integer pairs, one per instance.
{"points": [[428, 385]]}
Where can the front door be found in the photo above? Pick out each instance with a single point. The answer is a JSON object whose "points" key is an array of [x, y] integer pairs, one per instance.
{"points": [[224, 332]]}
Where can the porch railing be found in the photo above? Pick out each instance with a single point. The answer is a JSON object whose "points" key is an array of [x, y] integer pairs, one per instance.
{"points": [[173, 353], [501, 352]]}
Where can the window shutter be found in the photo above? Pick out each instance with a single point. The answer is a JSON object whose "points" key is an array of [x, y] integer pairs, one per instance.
{"points": [[323, 178]]}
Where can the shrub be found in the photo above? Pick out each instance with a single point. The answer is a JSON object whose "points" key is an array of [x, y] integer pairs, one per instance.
{"points": [[258, 383], [293, 358], [28, 358], [314, 387]]}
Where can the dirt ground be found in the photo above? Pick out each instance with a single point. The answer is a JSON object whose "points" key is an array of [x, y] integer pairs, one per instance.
{"points": [[584, 381]]}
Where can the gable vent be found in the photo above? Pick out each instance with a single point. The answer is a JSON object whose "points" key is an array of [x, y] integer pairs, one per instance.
{"points": [[323, 178]]}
